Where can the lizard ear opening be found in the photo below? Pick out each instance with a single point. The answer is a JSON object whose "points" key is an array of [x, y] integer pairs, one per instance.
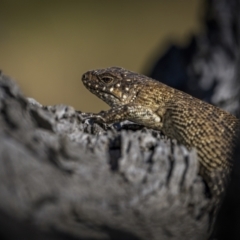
{"points": [[106, 79]]}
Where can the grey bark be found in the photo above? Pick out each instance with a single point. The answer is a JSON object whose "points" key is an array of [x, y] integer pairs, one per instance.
{"points": [[61, 173]]}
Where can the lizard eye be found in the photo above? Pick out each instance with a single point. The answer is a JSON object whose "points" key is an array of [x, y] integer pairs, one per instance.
{"points": [[107, 79]]}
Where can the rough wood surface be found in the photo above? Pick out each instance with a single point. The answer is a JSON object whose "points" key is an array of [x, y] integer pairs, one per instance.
{"points": [[92, 181]]}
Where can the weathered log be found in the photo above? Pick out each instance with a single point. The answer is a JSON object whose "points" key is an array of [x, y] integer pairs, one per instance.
{"points": [[60, 172]]}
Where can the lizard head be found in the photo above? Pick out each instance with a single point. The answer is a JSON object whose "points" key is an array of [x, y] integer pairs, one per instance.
{"points": [[115, 86]]}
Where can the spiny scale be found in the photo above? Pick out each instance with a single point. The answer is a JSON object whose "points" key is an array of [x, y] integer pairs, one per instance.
{"points": [[178, 115]]}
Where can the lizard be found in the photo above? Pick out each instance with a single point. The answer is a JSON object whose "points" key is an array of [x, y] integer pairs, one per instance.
{"points": [[192, 122]]}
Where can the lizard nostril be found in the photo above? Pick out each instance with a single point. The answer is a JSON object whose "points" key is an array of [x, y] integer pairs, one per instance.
{"points": [[85, 77]]}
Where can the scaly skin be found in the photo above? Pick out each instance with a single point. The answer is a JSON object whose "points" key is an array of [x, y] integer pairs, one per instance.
{"points": [[179, 116]]}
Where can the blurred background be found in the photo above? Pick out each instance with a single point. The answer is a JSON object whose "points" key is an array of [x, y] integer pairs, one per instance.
{"points": [[193, 45], [47, 45]]}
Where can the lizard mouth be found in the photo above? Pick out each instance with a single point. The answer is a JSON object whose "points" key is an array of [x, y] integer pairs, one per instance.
{"points": [[101, 92], [106, 95]]}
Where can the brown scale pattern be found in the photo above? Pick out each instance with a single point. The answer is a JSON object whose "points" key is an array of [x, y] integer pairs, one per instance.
{"points": [[178, 115]]}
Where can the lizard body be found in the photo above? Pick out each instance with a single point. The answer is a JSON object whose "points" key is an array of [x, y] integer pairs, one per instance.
{"points": [[190, 121]]}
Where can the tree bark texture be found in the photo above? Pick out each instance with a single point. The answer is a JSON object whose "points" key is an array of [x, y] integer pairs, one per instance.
{"points": [[59, 172]]}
